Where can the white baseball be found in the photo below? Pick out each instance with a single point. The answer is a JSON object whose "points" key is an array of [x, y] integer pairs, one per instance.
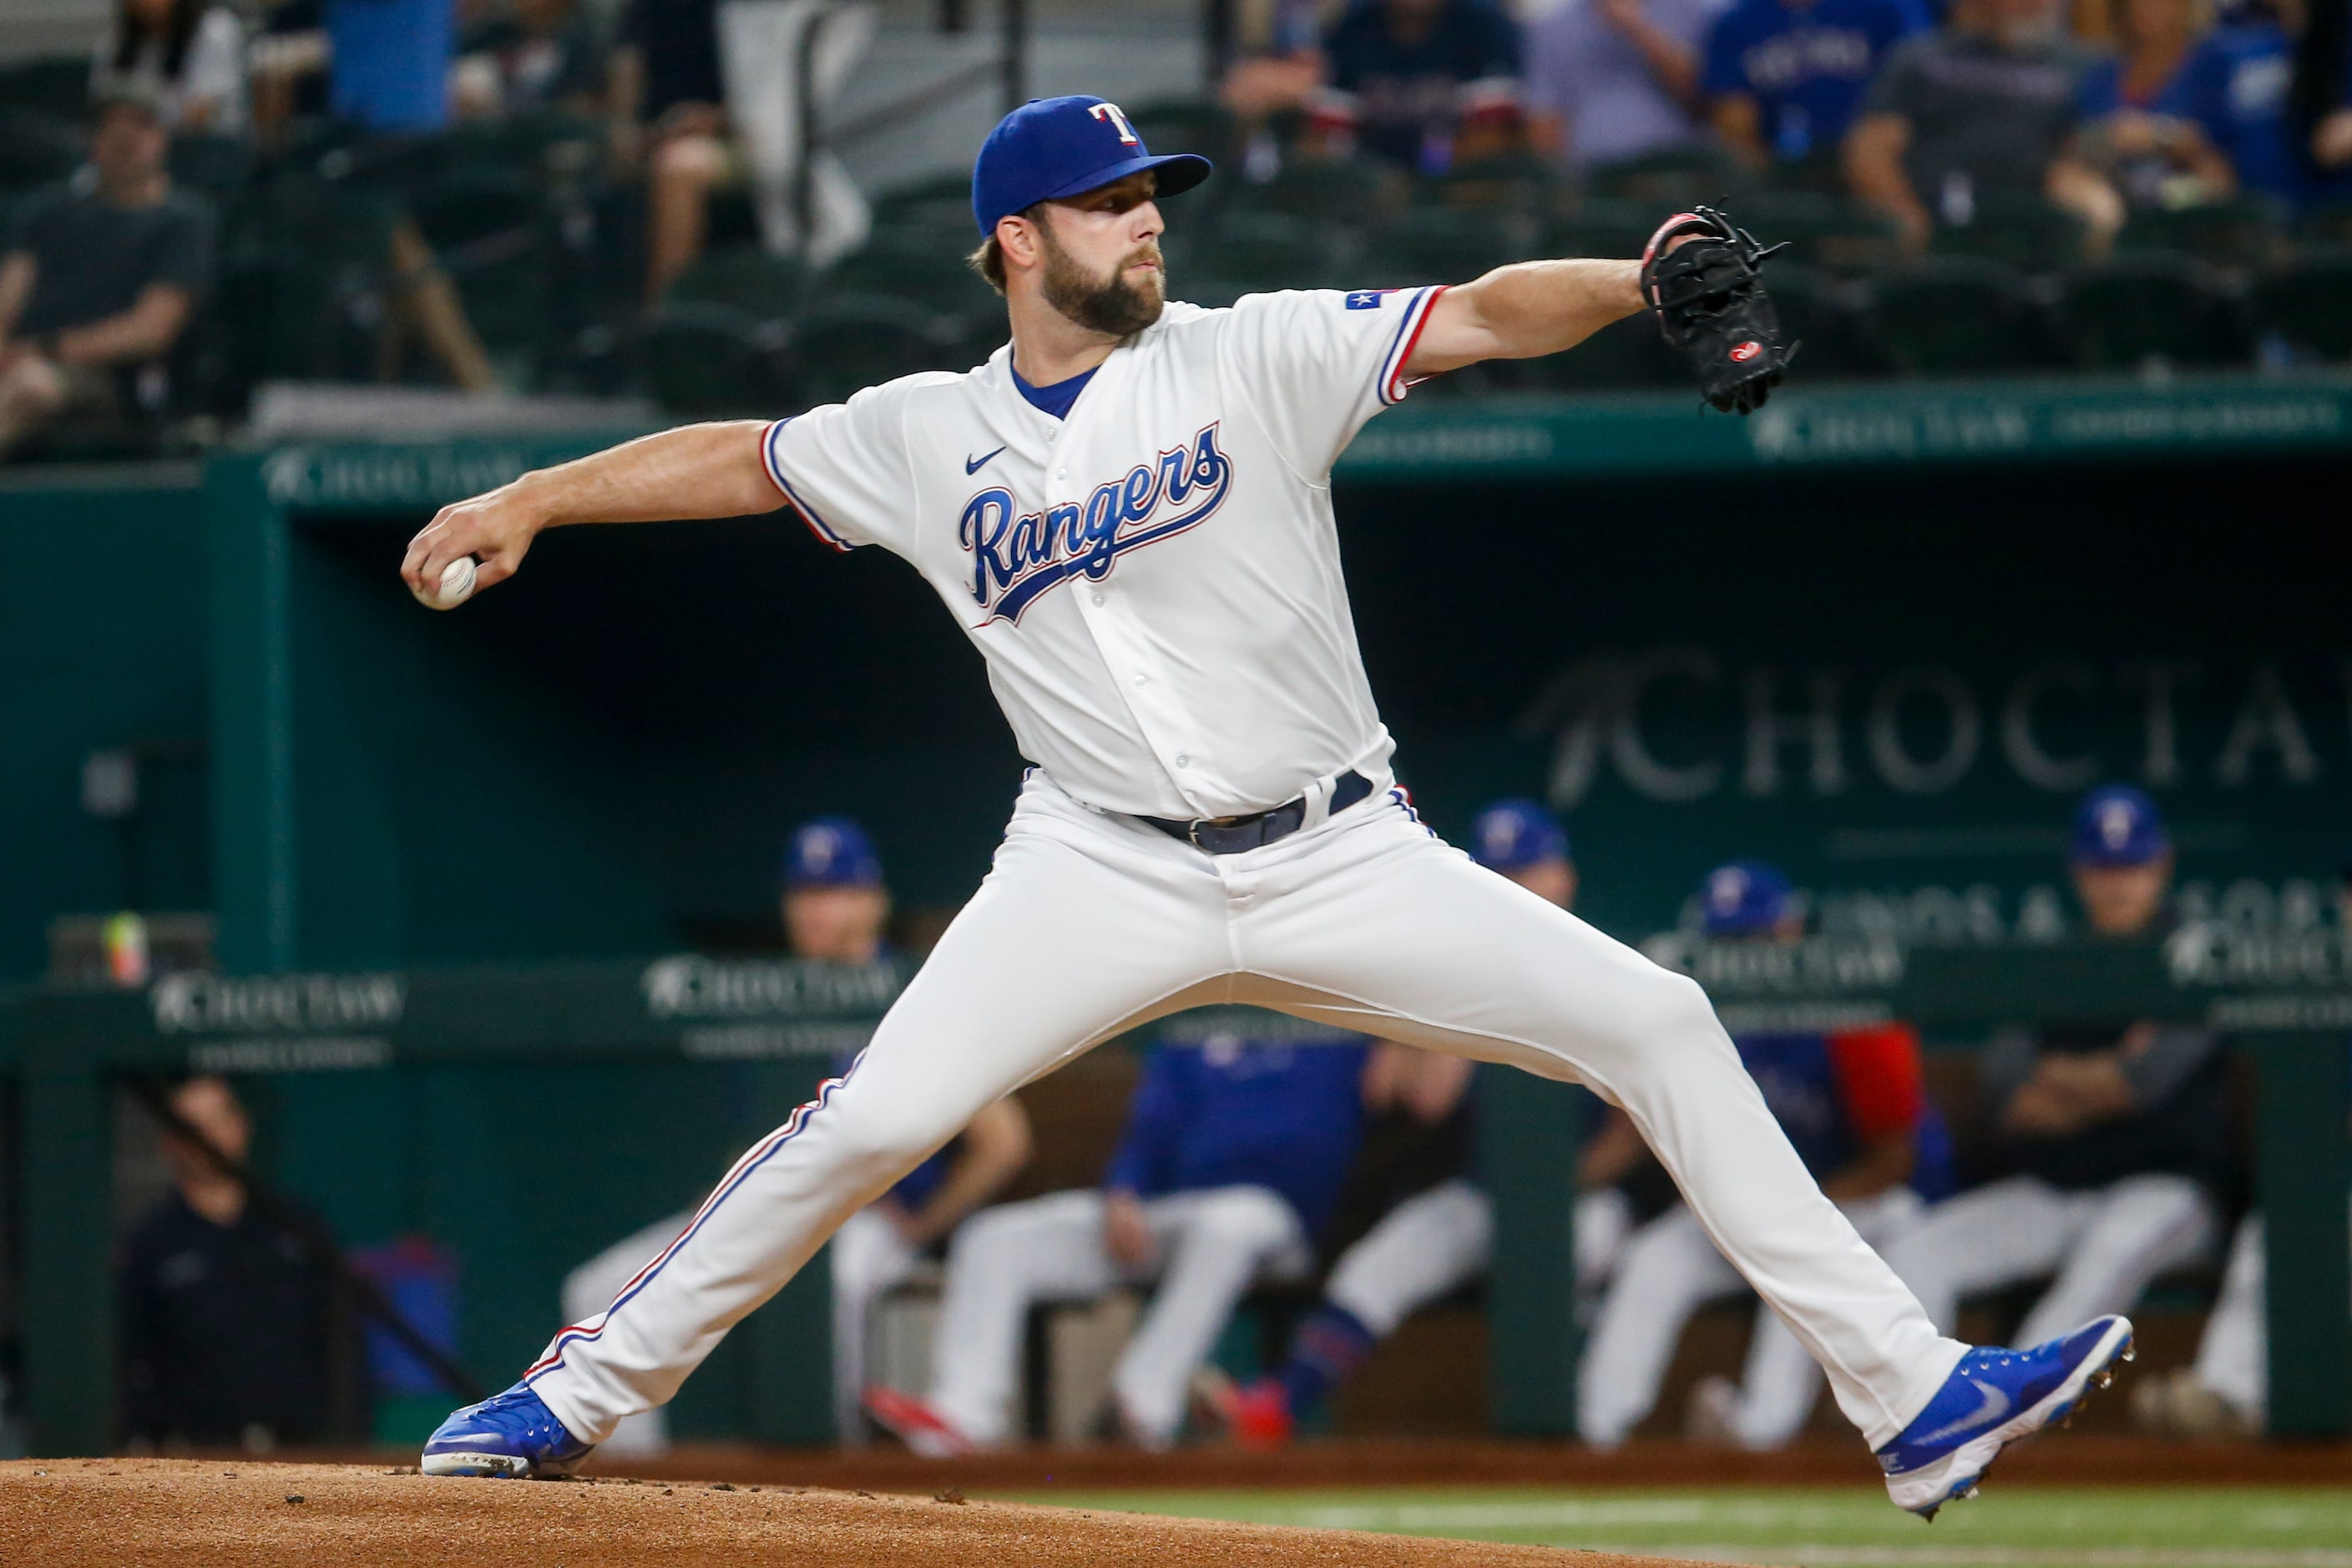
{"points": [[456, 585]]}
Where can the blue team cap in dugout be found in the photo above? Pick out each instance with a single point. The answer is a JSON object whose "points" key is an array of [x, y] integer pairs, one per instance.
{"points": [[1743, 898], [1512, 835], [1054, 147], [2118, 826], [832, 852]]}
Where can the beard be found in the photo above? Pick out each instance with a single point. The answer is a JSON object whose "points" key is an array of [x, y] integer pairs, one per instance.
{"points": [[1112, 306]]}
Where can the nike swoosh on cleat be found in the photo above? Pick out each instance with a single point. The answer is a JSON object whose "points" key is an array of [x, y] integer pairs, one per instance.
{"points": [[1997, 1403], [973, 465]]}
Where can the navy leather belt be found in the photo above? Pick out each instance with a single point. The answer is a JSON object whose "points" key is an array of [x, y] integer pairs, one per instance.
{"points": [[1231, 834]]}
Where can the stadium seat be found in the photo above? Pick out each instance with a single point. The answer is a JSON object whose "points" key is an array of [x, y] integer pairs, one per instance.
{"points": [[1513, 182], [1818, 316], [843, 343], [53, 85], [1612, 226], [1951, 315], [1273, 250], [1676, 177], [1360, 192], [35, 148], [1834, 233], [1186, 125], [216, 166], [2144, 309], [701, 359], [931, 202], [1624, 356], [762, 285], [488, 227], [923, 262], [2023, 231], [1446, 245], [2307, 307], [2245, 230]]}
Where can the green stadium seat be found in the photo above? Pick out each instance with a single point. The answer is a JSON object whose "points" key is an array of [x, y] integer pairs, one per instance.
{"points": [[1819, 315], [2143, 310], [216, 166], [929, 203], [1446, 245], [1837, 233], [1187, 125], [2245, 230], [848, 342], [1952, 315], [2325, 224], [762, 285], [1360, 192], [53, 85], [1263, 251], [2023, 231], [1612, 226], [1676, 177], [699, 359], [1624, 356], [36, 149], [488, 225], [2307, 306], [914, 262], [1513, 182]]}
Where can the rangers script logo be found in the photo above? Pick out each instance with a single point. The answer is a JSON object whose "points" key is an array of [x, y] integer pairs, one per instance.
{"points": [[1016, 558]]}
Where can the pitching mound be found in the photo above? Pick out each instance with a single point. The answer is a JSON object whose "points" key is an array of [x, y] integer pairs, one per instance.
{"points": [[213, 1514]]}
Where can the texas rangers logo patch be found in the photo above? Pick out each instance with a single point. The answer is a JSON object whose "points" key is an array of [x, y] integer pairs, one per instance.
{"points": [[1014, 558]]}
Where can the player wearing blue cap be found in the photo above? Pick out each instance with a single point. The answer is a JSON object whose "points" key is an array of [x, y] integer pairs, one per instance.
{"points": [[835, 907], [1237, 1144], [1853, 1101], [1435, 1232], [2113, 1135], [1128, 511]]}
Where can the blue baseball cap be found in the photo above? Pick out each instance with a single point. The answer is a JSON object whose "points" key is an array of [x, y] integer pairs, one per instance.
{"points": [[2117, 825], [1743, 898], [832, 852], [1513, 835], [1053, 147]]}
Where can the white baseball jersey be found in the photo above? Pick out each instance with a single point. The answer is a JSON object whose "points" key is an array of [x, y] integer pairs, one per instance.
{"points": [[1211, 674]]}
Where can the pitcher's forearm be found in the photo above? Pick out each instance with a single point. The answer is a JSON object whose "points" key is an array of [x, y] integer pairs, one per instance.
{"points": [[693, 471], [1525, 310]]}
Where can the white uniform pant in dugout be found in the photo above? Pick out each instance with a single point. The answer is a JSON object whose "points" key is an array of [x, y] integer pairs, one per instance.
{"points": [[1211, 1246], [1668, 1270], [1091, 923], [869, 1259]]}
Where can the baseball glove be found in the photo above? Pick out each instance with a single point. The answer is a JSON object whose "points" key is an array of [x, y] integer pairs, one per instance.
{"points": [[1710, 303]]}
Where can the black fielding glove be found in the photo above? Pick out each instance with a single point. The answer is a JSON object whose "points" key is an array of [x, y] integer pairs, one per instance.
{"points": [[1709, 299]]}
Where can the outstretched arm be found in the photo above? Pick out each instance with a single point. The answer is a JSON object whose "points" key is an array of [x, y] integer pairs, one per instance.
{"points": [[1524, 311], [695, 470]]}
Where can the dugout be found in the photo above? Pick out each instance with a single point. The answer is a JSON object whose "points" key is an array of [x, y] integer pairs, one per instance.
{"points": [[1881, 635]]}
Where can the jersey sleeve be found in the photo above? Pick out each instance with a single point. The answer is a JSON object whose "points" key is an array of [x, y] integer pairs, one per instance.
{"points": [[1880, 1083], [845, 468], [1317, 364]]}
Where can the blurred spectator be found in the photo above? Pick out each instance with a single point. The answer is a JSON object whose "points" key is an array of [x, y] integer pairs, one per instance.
{"points": [[668, 101], [834, 908], [1282, 66], [1785, 77], [2145, 107], [1237, 1142], [2115, 1137], [1853, 1104], [1613, 79], [98, 279], [187, 56], [1986, 107], [527, 55], [225, 1325], [1423, 83]]}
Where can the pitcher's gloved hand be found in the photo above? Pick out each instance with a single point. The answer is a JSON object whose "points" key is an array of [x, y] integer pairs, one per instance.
{"points": [[1709, 299]]}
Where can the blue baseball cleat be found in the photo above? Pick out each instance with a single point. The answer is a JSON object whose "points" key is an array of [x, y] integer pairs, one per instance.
{"points": [[1992, 1399], [512, 1434]]}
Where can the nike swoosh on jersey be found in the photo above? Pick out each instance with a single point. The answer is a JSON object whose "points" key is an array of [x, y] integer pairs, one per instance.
{"points": [[973, 465], [1996, 1404]]}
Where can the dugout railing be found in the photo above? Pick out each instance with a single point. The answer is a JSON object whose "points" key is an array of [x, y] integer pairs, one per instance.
{"points": [[2282, 999]]}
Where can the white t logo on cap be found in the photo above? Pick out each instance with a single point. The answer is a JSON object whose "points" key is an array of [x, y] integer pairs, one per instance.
{"points": [[1111, 112]]}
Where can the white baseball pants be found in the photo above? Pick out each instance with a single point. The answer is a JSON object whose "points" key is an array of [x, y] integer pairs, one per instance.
{"points": [[1092, 923], [2103, 1245], [2234, 1358], [1213, 1245], [1420, 1250], [1668, 1270], [869, 1259]]}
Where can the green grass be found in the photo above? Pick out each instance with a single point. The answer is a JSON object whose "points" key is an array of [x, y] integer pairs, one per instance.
{"points": [[2020, 1527]]}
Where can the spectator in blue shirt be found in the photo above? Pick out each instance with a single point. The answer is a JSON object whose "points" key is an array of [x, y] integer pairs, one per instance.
{"points": [[1784, 77], [1424, 83], [1612, 80], [2146, 108], [1237, 1142]]}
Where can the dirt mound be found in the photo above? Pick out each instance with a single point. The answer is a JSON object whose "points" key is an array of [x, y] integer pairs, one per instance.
{"points": [[226, 1514]]}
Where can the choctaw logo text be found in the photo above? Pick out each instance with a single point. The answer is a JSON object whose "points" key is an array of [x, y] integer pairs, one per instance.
{"points": [[1016, 558]]}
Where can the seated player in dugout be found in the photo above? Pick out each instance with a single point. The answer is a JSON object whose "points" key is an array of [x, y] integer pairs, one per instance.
{"points": [[1855, 1104], [837, 906], [1415, 1224], [2112, 1140], [1128, 511], [1237, 1143]]}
